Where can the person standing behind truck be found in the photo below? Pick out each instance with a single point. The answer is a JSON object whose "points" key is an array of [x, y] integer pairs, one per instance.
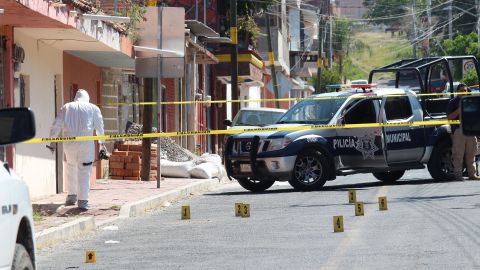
{"points": [[79, 118], [463, 147]]}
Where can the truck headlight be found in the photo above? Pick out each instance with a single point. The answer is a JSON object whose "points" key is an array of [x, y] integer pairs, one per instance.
{"points": [[277, 144]]}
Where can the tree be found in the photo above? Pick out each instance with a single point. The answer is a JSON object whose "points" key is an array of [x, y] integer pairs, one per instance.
{"points": [[327, 77]]}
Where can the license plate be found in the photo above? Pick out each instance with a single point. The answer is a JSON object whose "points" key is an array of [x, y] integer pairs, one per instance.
{"points": [[245, 168]]}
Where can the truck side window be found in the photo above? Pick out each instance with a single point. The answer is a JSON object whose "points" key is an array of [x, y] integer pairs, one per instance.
{"points": [[397, 108], [362, 112]]}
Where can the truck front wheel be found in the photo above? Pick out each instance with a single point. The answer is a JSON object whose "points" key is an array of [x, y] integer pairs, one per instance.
{"points": [[440, 163], [310, 170], [389, 177], [255, 185], [21, 259]]}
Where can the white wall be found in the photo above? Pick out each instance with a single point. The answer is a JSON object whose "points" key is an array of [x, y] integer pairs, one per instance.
{"points": [[34, 162]]}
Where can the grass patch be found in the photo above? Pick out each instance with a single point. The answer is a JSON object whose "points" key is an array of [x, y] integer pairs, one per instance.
{"points": [[38, 216], [376, 49]]}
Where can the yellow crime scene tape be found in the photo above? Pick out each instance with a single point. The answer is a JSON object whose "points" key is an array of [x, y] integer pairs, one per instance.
{"points": [[236, 131], [280, 99]]}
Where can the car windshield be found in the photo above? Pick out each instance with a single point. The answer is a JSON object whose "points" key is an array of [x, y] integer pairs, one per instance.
{"points": [[312, 111], [256, 118]]}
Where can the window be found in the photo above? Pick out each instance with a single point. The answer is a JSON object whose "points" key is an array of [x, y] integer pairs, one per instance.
{"points": [[362, 112], [397, 108]]}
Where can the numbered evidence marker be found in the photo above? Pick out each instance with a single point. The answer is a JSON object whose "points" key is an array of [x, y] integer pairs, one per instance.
{"points": [[245, 210], [338, 224], [352, 196], [238, 209], [359, 211], [185, 212], [90, 256], [382, 203]]}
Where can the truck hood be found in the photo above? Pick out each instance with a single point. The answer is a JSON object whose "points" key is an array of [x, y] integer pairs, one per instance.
{"points": [[270, 134]]}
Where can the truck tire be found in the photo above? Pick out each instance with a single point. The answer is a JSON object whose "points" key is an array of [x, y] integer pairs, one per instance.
{"points": [[389, 177], [310, 171], [255, 185], [440, 163], [21, 259]]}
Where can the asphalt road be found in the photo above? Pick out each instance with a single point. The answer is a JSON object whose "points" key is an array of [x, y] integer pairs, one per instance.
{"points": [[429, 225]]}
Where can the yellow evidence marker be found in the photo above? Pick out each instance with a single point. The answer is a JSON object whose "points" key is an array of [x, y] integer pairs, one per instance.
{"points": [[90, 256], [382, 203], [359, 211], [352, 196], [245, 210], [238, 209], [337, 223], [185, 212]]}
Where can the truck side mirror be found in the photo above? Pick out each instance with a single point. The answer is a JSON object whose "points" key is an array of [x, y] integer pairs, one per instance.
{"points": [[17, 125], [470, 115], [227, 122]]}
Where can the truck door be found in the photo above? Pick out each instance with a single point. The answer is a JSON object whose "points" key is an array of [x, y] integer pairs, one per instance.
{"points": [[6, 219], [403, 143], [361, 147]]}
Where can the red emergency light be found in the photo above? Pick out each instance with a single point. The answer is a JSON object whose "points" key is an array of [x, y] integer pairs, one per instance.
{"points": [[364, 85]]}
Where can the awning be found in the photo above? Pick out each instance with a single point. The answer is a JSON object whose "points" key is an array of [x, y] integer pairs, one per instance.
{"points": [[203, 56], [83, 46]]}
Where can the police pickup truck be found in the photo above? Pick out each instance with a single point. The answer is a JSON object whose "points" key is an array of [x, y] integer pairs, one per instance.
{"points": [[17, 242], [308, 158]]}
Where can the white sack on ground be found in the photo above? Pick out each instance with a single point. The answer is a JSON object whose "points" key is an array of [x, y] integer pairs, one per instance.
{"points": [[207, 157], [176, 169], [207, 170]]}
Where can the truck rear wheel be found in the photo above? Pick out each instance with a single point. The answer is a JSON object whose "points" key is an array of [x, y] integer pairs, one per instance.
{"points": [[255, 185], [310, 170], [440, 163], [21, 259], [389, 177]]}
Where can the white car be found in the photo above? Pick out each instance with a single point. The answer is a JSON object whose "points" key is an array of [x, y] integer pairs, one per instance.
{"points": [[255, 117], [17, 241]]}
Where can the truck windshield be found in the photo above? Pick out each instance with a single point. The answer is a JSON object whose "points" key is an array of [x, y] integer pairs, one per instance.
{"points": [[256, 118], [312, 111]]}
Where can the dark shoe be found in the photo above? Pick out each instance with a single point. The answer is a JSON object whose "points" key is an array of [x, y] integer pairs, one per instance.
{"points": [[71, 200], [474, 177], [83, 205], [458, 177]]}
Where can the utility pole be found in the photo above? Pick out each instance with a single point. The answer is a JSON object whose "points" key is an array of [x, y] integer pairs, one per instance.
{"points": [[450, 31], [320, 51], [429, 20], [414, 31], [234, 55], [271, 60], [147, 128], [477, 2], [330, 47]]}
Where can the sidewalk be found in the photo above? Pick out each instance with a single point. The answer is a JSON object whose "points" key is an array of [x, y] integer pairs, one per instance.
{"points": [[109, 200]]}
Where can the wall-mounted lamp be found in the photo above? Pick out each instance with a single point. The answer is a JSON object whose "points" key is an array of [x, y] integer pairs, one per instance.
{"points": [[105, 18], [2, 10]]}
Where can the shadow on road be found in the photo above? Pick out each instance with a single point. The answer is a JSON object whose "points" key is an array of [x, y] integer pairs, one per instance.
{"points": [[341, 187]]}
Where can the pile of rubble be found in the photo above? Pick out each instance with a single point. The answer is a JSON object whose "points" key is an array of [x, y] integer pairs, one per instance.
{"points": [[173, 151]]}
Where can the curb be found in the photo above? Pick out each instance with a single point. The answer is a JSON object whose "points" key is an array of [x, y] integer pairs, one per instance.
{"points": [[76, 228]]}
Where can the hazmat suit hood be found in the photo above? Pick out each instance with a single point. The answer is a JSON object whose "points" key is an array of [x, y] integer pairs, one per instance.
{"points": [[82, 96]]}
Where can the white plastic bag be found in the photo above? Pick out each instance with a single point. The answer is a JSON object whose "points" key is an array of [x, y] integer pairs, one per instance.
{"points": [[207, 170], [176, 169]]}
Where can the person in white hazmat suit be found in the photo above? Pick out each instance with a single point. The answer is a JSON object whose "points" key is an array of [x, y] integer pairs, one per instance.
{"points": [[78, 118]]}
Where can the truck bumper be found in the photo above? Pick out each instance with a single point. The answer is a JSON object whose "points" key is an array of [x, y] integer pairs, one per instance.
{"points": [[271, 168]]}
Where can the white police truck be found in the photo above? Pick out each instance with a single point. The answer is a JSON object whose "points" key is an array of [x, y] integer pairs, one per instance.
{"points": [[17, 242], [308, 158]]}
